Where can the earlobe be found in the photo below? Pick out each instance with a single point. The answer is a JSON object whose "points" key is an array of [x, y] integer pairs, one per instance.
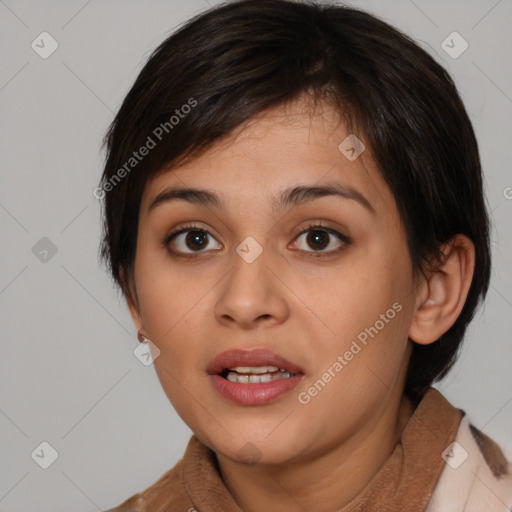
{"points": [[441, 296], [137, 320]]}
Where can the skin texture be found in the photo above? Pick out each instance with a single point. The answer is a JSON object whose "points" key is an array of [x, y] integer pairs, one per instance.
{"points": [[306, 309]]}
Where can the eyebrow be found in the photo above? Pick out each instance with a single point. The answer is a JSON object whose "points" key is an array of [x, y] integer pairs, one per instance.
{"points": [[289, 197]]}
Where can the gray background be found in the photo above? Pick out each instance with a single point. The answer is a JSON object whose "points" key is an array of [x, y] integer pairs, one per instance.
{"points": [[67, 369]]}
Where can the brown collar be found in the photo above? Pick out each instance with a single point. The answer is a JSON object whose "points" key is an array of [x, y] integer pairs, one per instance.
{"points": [[404, 483]]}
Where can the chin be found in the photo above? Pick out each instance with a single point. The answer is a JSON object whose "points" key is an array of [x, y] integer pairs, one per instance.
{"points": [[254, 448]]}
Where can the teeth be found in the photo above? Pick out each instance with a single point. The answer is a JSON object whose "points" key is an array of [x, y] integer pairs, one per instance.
{"points": [[256, 379], [256, 374], [255, 369]]}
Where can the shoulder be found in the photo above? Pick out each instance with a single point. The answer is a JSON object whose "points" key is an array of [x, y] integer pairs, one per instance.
{"points": [[476, 474], [167, 493]]}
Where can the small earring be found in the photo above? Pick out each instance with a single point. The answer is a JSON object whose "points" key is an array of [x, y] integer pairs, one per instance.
{"points": [[141, 337]]}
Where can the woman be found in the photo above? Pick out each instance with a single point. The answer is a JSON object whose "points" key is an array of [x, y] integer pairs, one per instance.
{"points": [[293, 209]]}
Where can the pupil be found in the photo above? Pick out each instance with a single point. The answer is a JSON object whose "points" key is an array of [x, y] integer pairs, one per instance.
{"points": [[317, 237], [195, 238]]}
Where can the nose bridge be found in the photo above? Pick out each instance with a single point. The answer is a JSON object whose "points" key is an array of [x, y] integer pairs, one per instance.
{"points": [[250, 291], [249, 273]]}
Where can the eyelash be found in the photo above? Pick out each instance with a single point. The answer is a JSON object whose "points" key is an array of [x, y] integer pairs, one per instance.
{"points": [[315, 226]]}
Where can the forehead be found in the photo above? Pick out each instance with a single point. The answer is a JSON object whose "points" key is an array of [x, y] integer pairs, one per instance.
{"points": [[280, 148]]}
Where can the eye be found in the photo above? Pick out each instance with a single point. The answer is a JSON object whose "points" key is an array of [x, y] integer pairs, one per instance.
{"points": [[319, 237], [188, 239], [192, 240]]}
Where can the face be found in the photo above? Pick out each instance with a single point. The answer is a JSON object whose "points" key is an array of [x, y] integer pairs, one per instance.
{"points": [[307, 296]]}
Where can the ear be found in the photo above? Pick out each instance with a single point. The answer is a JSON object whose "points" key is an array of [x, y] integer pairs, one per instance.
{"points": [[134, 312], [441, 296], [132, 300]]}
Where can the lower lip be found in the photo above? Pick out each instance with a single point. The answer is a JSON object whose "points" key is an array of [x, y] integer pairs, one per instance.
{"points": [[254, 394]]}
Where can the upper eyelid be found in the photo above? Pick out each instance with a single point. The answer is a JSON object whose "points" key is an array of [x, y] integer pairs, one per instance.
{"points": [[307, 227], [345, 239]]}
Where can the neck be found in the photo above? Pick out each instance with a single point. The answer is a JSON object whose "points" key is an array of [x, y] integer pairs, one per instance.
{"points": [[326, 481]]}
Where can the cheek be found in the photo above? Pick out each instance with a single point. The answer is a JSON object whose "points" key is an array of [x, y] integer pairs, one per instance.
{"points": [[354, 374], [168, 293], [172, 304], [352, 297], [365, 315]]}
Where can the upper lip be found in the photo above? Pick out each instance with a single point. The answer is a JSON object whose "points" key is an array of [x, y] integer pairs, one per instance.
{"points": [[254, 357]]}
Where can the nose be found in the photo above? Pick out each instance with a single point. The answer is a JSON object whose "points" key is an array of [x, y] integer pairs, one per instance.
{"points": [[251, 295]]}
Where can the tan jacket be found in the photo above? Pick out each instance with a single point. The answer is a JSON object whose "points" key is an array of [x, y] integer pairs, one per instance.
{"points": [[441, 464]]}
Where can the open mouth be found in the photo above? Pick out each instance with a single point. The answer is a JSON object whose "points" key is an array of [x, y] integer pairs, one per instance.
{"points": [[253, 377], [255, 374]]}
